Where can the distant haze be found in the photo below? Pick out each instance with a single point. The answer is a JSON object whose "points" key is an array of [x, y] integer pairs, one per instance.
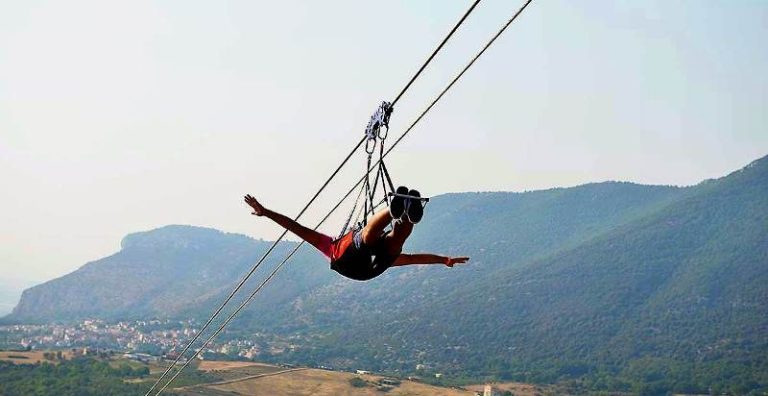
{"points": [[10, 291], [117, 117]]}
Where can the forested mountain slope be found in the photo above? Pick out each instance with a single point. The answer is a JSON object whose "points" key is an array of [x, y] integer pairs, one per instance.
{"points": [[613, 283], [176, 270], [680, 293], [158, 273]]}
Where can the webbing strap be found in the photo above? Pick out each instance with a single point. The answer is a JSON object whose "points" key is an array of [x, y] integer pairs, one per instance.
{"points": [[351, 213], [385, 172], [376, 133], [385, 178], [368, 197]]}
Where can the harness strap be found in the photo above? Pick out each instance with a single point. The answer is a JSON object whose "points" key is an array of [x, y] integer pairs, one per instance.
{"points": [[351, 214], [376, 130]]}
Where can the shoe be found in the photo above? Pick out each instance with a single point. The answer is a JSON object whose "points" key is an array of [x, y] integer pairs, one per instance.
{"points": [[398, 205], [415, 210]]}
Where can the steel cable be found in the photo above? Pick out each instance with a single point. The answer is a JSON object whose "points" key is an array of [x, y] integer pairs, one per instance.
{"points": [[399, 139], [282, 235]]}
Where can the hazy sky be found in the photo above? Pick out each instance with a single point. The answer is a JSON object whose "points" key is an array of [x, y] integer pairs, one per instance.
{"points": [[117, 117]]}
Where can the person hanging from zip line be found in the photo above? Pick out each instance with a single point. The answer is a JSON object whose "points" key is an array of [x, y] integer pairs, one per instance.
{"points": [[363, 254]]}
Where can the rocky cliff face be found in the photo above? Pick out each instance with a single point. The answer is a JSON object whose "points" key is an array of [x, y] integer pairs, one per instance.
{"points": [[156, 273]]}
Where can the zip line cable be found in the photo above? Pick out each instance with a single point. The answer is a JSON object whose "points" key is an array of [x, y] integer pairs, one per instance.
{"points": [[448, 87], [399, 139], [247, 300], [253, 294], [253, 269], [434, 101], [282, 235], [439, 47]]}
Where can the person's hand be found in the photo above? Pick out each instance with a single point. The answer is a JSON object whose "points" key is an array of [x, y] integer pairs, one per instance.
{"points": [[258, 209], [456, 260]]}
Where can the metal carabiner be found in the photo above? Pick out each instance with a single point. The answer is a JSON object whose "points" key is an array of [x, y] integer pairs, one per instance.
{"points": [[378, 126], [383, 132], [370, 148]]}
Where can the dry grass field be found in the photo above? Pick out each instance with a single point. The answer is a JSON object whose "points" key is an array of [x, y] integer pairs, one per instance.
{"points": [[233, 370], [31, 357], [322, 382], [517, 389], [208, 365], [246, 378]]}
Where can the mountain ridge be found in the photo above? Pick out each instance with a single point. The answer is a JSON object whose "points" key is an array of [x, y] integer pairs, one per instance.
{"points": [[606, 282]]}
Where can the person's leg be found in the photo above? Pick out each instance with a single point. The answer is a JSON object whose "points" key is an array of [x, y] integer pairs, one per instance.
{"points": [[379, 221], [319, 240], [402, 230], [396, 239], [375, 227]]}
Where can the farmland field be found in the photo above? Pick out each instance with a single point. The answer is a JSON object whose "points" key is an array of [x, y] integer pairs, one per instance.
{"points": [[260, 379], [30, 357]]}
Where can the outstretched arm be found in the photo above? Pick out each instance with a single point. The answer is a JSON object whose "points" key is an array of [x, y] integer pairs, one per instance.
{"points": [[409, 259], [313, 237]]}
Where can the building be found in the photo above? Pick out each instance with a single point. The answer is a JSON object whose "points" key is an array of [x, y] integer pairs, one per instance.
{"points": [[489, 391], [390, 381]]}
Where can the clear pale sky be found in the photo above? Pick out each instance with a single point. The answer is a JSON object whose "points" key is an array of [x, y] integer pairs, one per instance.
{"points": [[118, 117]]}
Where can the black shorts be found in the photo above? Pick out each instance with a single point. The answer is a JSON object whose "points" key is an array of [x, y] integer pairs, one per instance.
{"points": [[357, 260]]}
